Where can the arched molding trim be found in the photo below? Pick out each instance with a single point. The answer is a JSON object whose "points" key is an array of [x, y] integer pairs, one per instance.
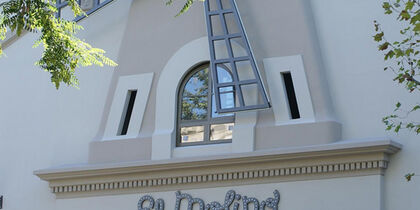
{"points": [[164, 139]]}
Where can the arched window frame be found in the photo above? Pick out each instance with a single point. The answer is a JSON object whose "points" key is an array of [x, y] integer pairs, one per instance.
{"points": [[210, 120], [164, 136]]}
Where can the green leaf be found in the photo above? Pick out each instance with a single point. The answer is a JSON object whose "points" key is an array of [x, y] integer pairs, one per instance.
{"points": [[378, 36], [389, 55], [397, 128], [403, 58], [415, 108], [405, 15], [409, 51], [409, 5], [398, 53], [397, 106], [186, 7], [409, 176], [387, 7], [375, 23], [63, 51], [384, 46], [410, 126], [417, 27]]}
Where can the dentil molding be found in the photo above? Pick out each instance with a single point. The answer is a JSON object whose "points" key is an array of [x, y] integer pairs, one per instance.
{"points": [[343, 159]]}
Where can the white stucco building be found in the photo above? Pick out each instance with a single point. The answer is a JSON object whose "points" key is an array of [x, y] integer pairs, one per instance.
{"points": [[149, 127]]}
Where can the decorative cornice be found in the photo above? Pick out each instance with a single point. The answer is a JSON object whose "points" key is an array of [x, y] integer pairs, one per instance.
{"points": [[315, 162]]}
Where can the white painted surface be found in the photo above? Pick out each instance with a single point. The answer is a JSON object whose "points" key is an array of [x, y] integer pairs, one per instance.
{"points": [[142, 84], [361, 193], [202, 150], [274, 67], [42, 127], [362, 93]]}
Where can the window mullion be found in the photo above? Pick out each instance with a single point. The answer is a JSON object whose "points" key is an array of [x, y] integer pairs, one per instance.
{"points": [[234, 72], [205, 124], [209, 108], [206, 133], [230, 53], [245, 97], [219, 4], [209, 97]]}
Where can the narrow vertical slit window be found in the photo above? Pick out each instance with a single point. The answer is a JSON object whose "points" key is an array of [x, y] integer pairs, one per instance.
{"points": [[128, 109], [291, 96]]}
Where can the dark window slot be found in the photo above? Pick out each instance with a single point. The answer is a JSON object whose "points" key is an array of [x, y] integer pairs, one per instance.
{"points": [[291, 96], [131, 97]]}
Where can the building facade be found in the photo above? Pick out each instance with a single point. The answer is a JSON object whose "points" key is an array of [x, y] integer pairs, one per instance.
{"points": [[147, 135]]}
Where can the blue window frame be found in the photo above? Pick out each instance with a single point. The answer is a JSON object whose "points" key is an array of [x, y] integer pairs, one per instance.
{"points": [[97, 4]]}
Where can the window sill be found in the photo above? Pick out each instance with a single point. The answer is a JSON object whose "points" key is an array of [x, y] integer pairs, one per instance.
{"points": [[342, 159], [202, 150]]}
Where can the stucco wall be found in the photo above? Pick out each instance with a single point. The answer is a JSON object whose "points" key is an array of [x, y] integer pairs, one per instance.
{"points": [[41, 127], [153, 38], [362, 93]]}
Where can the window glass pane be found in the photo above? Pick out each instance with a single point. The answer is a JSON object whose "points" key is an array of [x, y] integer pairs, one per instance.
{"points": [[216, 25], [222, 74], [194, 108], [213, 5], [230, 48], [192, 134], [231, 24], [221, 131], [238, 47], [213, 108], [251, 94], [220, 49], [244, 70], [197, 85], [67, 13], [226, 4], [227, 100], [86, 5]]}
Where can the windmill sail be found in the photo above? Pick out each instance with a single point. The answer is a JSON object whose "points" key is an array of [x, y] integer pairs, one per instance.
{"points": [[230, 49]]}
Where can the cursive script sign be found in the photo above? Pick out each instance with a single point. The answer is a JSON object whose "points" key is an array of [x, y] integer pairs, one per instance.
{"points": [[232, 199]]}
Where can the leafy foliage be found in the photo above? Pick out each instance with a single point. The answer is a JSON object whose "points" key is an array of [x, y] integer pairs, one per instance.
{"points": [[409, 176], [404, 58], [185, 8], [63, 51]]}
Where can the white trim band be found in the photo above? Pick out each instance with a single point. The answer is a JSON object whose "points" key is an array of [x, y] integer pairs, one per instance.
{"points": [[353, 158]]}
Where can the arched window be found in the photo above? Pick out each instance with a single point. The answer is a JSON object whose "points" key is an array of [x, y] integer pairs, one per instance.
{"points": [[198, 122]]}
